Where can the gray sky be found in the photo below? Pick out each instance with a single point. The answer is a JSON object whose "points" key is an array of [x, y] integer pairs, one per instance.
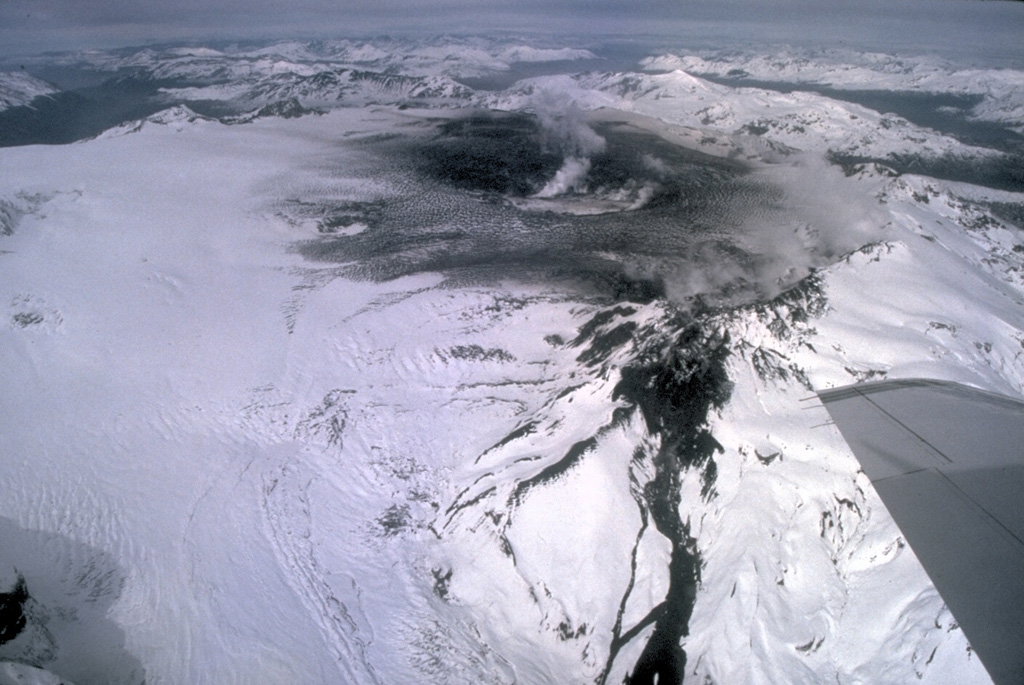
{"points": [[988, 27]]}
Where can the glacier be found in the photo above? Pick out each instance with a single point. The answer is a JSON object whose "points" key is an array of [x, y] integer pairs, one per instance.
{"points": [[336, 366]]}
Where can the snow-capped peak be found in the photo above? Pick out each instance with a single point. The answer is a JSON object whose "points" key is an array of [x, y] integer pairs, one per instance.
{"points": [[177, 118], [18, 88]]}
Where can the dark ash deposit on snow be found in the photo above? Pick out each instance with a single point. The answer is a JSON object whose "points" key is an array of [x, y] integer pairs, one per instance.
{"points": [[470, 208], [475, 208]]}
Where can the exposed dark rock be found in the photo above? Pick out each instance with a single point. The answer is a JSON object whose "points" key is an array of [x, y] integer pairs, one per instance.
{"points": [[675, 391], [12, 610]]}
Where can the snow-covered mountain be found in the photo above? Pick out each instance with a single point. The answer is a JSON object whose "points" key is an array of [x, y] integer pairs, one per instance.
{"points": [[353, 73], [18, 89], [989, 95], [445, 385], [447, 55]]}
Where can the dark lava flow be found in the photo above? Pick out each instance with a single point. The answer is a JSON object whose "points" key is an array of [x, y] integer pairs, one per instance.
{"points": [[675, 392], [455, 211]]}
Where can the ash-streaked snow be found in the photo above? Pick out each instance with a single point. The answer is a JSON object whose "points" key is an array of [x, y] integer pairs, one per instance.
{"points": [[329, 367]]}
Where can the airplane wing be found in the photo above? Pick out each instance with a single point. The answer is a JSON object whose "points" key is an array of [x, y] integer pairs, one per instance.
{"points": [[948, 461]]}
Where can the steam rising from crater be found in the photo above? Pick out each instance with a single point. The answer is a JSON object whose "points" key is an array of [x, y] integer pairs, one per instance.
{"points": [[560, 198], [564, 126], [566, 131], [570, 178], [808, 217]]}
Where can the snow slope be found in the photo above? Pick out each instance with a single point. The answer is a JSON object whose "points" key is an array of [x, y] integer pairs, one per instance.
{"points": [[18, 89], [229, 461]]}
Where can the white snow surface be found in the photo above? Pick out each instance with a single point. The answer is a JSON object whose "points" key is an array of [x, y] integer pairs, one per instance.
{"points": [[225, 463]]}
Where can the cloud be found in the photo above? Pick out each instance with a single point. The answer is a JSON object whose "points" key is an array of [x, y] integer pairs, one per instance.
{"points": [[566, 131], [814, 216], [570, 178], [564, 125]]}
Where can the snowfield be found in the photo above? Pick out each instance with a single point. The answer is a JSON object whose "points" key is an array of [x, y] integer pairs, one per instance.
{"points": [[276, 412]]}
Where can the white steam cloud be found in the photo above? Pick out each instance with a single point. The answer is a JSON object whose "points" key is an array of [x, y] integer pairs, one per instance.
{"points": [[566, 131], [806, 214], [819, 215], [570, 178]]}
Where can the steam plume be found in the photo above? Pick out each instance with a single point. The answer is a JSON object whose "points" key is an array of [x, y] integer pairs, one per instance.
{"points": [[566, 131]]}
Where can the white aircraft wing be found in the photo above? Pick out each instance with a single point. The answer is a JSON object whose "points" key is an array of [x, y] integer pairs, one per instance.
{"points": [[948, 461]]}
